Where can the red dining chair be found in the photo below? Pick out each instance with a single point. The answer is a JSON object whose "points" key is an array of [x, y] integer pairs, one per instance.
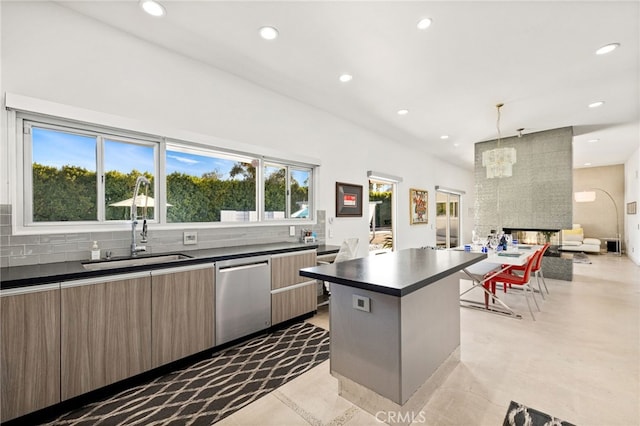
{"points": [[536, 270], [507, 278]]}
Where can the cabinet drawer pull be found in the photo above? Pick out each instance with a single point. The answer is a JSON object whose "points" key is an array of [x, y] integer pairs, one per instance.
{"points": [[291, 287]]}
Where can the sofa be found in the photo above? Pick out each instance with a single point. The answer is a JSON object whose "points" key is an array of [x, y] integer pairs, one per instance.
{"points": [[574, 240]]}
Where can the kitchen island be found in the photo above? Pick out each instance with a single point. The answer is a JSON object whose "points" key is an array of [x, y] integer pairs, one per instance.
{"points": [[394, 320]]}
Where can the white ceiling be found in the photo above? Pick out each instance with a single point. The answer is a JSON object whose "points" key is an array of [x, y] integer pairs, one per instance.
{"points": [[538, 58]]}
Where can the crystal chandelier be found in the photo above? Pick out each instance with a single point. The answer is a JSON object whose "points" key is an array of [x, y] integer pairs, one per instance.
{"points": [[499, 161]]}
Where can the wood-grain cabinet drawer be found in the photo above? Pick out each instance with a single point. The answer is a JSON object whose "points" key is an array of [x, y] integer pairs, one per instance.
{"points": [[293, 301], [285, 268]]}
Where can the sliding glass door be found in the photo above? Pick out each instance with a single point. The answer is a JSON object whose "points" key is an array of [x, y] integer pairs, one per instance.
{"points": [[447, 219]]}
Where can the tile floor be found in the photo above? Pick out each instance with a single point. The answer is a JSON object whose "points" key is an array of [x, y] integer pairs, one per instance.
{"points": [[580, 361]]}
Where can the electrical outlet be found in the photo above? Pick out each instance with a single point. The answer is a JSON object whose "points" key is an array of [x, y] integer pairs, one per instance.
{"points": [[189, 238], [292, 231], [361, 303], [330, 232]]}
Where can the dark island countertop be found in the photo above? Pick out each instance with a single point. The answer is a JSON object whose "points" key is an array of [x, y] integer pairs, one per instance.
{"points": [[397, 273], [29, 275]]}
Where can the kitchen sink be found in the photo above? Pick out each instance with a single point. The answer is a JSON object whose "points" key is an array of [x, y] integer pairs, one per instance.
{"points": [[133, 261]]}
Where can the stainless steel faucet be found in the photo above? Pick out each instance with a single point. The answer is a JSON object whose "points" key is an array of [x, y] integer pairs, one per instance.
{"points": [[135, 249]]}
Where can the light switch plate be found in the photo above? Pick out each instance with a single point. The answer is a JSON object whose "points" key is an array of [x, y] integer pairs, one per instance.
{"points": [[189, 238], [292, 231]]}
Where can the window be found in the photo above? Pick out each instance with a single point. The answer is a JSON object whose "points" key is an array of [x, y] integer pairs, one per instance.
{"points": [[286, 191], [299, 181], [64, 177], [83, 176], [79, 174], [124, 162], [205, 186]]}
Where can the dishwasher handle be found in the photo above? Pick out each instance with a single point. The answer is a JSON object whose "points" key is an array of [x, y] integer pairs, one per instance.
{"points": [[243, 266]]}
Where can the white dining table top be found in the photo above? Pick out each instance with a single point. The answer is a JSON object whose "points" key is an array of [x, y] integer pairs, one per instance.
{"points": [[507, 258]]}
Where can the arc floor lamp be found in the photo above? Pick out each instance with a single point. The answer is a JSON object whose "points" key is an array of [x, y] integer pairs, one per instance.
{"points": [[589, 197]]}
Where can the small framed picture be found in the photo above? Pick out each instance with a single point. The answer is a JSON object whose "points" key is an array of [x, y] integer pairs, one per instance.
{"points": [[348, 200], [418, 206], [631, 208]]}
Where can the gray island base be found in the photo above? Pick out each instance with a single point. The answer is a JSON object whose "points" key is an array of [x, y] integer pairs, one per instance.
{"points": [[395, 327]]}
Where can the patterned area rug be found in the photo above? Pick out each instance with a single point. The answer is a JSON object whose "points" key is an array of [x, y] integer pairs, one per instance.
{"points": [[581, 258], [520, 415], [210, 390]]}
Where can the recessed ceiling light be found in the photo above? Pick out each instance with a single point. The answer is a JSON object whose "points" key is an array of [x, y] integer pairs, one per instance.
{"points": [[346, 77], [594, 140], [403, 111], [269, 33], [587, 164], [424, 23], [153, 8], [444, 137], [607, 48], [596, 104]]}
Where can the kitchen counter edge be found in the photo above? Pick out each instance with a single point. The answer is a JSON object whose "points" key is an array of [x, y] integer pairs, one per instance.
{"points": [[48, 273]]}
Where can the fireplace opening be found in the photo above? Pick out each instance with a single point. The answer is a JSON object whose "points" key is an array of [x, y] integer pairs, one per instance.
{"points": [[538, 236]]}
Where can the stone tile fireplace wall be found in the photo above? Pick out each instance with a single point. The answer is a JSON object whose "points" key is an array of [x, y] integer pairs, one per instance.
{"points": [[537, 196]]}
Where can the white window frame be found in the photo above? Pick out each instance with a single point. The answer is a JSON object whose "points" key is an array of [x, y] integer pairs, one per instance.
{"points": [[120, 129], [27, 121], [206, 151], [289, 166]]}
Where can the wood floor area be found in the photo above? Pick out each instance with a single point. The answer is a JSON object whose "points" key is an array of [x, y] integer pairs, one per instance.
{"points": [[579, 362]]}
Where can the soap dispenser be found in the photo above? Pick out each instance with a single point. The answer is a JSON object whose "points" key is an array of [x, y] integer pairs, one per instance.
{"points": [[95, 251]]}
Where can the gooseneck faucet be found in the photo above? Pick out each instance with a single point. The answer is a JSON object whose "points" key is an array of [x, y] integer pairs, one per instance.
{"points": [[135, 249]]}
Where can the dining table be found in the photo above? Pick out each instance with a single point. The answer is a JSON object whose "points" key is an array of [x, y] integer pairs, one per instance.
{"points": [[495, 263]]}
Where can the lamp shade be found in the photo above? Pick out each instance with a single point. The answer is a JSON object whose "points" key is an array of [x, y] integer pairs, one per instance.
{"points": [[584, 196]]}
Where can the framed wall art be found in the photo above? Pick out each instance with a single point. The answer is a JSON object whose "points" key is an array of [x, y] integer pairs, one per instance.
{"points": [[348, 200], [418, 206], [631, 208]]}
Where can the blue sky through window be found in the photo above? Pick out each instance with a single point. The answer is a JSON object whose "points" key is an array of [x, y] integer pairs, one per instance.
{"points": [[197, 165], [125, 157], [56, 149]]}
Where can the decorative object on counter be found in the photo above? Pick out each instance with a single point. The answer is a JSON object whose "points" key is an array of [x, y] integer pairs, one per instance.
{"points": [[95, 251], [214, 388], [418, 206], [520, 415], [348, 200], [307, 236]]}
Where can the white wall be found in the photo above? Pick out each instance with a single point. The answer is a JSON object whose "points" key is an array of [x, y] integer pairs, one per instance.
{"points": [[54, 54], [632, 193]]}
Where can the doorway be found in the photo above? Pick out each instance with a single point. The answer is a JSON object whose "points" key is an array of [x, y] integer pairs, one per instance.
{"points": [[447, 219], [381, 215]]}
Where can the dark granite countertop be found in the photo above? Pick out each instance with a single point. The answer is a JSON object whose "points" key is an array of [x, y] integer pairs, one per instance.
{"points": [[398, 273], [28, 275]]}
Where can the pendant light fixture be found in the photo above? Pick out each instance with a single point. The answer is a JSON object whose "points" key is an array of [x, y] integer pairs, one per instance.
{"points": [[500, 160]]}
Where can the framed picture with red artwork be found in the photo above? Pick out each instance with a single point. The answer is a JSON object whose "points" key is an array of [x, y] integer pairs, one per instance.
{"points": [[418, 206], [348, 200]]}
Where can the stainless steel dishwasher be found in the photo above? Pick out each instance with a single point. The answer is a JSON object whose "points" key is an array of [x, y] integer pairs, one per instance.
{"points": [[243, 297]]}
